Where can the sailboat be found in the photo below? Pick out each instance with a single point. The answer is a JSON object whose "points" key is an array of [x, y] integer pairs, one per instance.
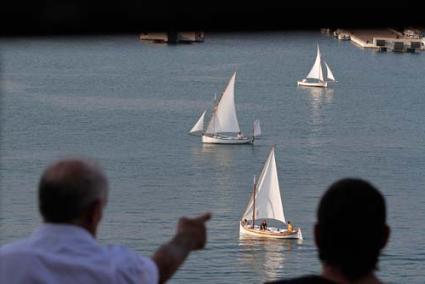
{"points": [[223, 127], [316, 74], [266, 203]]}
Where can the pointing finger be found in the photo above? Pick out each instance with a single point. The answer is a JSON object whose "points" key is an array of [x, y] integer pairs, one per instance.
{"points": [[203, 218]]}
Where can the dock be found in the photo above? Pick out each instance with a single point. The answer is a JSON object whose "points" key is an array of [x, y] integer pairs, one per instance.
{"points": [[384, 39], [172, 37]]}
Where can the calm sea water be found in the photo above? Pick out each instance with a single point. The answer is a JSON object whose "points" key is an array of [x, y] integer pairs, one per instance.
{"points": [[129, 105]]}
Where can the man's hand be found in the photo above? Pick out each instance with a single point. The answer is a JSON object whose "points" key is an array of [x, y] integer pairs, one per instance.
{"points": [[192, 233]]}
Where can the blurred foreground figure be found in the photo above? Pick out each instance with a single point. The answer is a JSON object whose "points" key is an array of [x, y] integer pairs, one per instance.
{"points": [[72, 195], [350, 233]]}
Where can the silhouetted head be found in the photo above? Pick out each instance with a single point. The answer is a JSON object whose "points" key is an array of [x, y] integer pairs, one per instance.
{"points": [[73, 191], [351, 227]]}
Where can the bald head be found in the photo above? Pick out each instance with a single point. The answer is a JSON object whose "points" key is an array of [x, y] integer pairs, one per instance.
{"points": [[67, 188]]}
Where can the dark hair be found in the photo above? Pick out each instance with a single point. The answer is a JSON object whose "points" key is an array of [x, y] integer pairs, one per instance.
{"points": [[67, 188], [351, 221]]}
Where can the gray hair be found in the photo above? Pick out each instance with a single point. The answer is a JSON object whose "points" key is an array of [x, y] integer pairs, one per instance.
{"points": [[68, 187]]}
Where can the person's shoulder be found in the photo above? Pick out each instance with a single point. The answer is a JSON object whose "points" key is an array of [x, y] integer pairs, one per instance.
{"points": [[18, 246], [313, 279]]}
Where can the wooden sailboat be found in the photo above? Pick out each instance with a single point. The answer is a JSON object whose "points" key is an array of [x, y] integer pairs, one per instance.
{"points": [[266, 203], [316, 74], [223, 127]]}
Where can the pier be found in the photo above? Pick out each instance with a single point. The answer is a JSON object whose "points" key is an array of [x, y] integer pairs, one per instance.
{"points": [[172, 37], [383, 39]]}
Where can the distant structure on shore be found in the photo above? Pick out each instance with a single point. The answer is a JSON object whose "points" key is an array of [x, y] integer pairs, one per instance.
{"points": [[407, 40], [172, 37]]}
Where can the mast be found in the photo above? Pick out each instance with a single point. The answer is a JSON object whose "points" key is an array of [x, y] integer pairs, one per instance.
{"points": [[253, 211], [215, 110]]}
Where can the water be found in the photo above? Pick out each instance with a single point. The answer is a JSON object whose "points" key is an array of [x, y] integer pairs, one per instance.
{"points": [[130, 104]]}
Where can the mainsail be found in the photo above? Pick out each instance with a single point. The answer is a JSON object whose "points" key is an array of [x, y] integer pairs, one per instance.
{"points": [[329, 73], [224, 117], [316, 71], [268, 203], [199, 125]]}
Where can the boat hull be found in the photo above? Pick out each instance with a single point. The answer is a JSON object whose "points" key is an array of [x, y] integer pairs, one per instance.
{"points": [[223, 139], [271, 234], [313, 84]]}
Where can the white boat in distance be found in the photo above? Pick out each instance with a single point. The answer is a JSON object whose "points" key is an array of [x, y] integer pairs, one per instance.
{"points": [[223, 127], [316, 74], [266, 203]]}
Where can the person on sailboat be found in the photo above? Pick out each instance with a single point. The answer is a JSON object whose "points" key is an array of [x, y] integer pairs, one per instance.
{"points": [[263, 225], [348, 255], [290, 228], [240, 135]]}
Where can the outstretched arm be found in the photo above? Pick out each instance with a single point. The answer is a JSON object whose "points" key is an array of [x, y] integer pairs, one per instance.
{"points": [[191, 235]]}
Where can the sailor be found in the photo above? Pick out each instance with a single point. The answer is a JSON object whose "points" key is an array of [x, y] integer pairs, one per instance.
{"points": [[240, 136], [263, 225], [290, 228]]}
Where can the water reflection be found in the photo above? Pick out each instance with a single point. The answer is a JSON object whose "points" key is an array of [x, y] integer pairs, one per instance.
{"points": [[221, 155], [266, 257], [318, 98]]}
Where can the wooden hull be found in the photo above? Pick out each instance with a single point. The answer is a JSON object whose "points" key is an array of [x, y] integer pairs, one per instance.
{"points": [[312, 84], [272, 233], [223, 139]]}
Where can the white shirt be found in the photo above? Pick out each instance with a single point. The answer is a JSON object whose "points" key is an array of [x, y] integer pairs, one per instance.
{"points": [[59, 253]]}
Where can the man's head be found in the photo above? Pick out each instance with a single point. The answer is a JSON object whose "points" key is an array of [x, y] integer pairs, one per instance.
{"points": [[74, 192], [351, 228]]}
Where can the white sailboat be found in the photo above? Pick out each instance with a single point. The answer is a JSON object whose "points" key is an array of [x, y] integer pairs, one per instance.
{"points": [[316, 74], [223, 127], [266, 203]]}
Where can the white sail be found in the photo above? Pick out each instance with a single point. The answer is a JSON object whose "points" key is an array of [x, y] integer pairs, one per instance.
{"points": [[316, 71], [199, 125], [213, 124], [329, 73], [224, 117], [257, 128], [268, 203]]}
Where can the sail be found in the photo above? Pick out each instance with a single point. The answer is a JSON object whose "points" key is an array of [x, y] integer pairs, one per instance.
{"points": [[268, 203], [329, 73], [257, 128], [213, 124], [199, 125], [316, 71], [224, 117]]}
